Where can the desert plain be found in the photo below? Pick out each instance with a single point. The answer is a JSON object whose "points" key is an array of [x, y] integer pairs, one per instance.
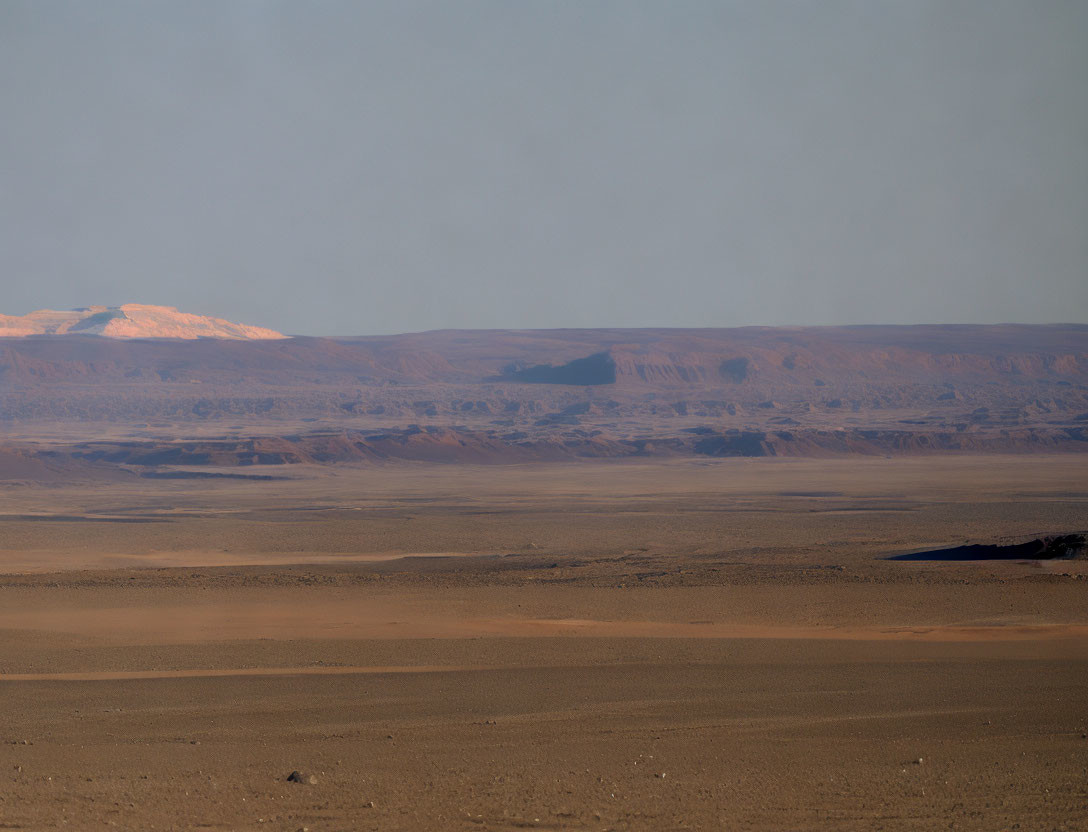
{"points": [[606, 644], [552, 579]]}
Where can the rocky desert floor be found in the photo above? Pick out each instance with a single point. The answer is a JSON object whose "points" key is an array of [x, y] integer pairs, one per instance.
{"points": [[671, 644]]}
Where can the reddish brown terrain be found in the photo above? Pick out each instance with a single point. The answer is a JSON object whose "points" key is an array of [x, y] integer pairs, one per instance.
{"points": [[506, 396], [578, 580]]}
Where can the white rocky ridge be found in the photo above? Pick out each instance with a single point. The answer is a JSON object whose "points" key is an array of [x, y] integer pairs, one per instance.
{"points": [[132, 320]]}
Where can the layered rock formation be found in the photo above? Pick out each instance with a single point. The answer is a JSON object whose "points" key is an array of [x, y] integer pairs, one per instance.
{"points": [[521, 395]]}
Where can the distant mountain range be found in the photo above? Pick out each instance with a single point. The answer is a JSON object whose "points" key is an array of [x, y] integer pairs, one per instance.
{"points": [[165, 392], [183, 390], [132, 320]]}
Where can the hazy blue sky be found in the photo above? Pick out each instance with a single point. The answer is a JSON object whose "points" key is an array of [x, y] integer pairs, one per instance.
{"points": [[353, 167]]}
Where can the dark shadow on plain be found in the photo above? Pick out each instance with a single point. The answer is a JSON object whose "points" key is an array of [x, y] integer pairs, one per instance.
{"points": [[1042, 548]]}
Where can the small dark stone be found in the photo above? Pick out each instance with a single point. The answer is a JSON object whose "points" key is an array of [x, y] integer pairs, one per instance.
{"points": [[295, 777]]}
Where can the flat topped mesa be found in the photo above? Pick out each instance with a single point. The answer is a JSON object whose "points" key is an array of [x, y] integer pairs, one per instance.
{"points": [[133, 320]]}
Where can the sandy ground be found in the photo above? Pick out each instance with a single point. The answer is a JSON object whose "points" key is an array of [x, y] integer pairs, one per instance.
{"points": [[675, 645]]}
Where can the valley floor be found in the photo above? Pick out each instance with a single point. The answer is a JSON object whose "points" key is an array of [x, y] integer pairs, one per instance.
{"points": [[684, 644]]}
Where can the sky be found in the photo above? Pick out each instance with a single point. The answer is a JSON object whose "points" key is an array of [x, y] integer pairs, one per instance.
{"points": [[336, 168]]}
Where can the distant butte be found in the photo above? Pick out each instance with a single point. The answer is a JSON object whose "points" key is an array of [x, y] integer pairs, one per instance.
{"points": [[132, 320]]}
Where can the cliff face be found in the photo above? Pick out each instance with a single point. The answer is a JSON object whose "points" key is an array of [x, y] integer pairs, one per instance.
{"points": [[558, 394], [679, 359]]}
